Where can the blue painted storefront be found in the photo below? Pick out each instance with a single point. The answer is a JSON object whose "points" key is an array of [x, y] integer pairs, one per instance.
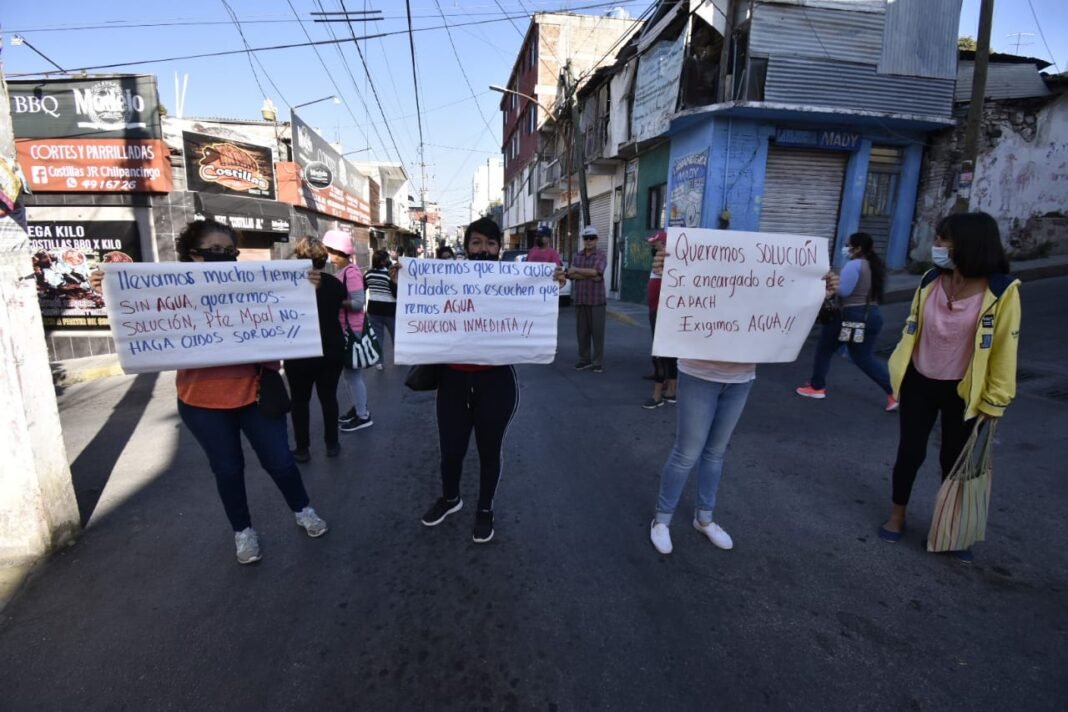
{"points": [[738, 157]]}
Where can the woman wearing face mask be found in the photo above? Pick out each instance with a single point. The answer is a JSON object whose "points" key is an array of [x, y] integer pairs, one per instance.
{"points": [[218, 404], [479, 398], [860, 291], [339, 246], [957, 355]]}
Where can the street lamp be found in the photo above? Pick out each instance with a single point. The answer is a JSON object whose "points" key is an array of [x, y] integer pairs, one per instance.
{"points": [[569, 98], [325, 98]]}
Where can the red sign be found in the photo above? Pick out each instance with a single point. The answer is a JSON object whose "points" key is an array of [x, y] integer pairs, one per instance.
{"points": [[115, 165], [329, 200]]}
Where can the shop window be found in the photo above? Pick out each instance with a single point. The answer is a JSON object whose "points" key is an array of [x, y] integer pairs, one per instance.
{"points": [[657, 207]]}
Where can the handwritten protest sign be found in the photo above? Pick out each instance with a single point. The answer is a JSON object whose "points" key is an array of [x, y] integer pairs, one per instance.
{"points": [[742, 297], [196, 314], [478, 312]]}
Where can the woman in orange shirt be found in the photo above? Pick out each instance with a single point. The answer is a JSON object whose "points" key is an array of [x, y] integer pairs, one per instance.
{"points": [[218, 404]]}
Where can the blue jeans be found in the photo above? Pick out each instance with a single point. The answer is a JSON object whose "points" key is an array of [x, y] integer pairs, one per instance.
{"points": [[861, 353], [707, 414], [219, 433], [381, 324]]}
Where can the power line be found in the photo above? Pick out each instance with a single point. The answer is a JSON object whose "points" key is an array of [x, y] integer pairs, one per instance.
{"points": [[251, 56], [418, 111], [1042, 35], [224, 53], [371, 82], [463, 71]]}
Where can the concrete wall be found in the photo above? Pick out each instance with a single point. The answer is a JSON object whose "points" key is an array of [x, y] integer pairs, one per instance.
{"points": [[637, 257], [1021, 178]]}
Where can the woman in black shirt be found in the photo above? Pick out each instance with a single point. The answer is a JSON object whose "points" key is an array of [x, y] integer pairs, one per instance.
{"points": [[323, 372], [381, 298]]}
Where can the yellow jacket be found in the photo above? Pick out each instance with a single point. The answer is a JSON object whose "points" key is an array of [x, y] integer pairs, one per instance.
{"points": [[989, 384]]}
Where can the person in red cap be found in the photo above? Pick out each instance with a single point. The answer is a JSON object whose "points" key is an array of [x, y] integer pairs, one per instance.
{"points": [[666, 369], [339, 245]]}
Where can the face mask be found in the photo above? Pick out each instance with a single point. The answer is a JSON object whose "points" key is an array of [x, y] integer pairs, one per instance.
{"points": [[209, 256], [940, 256], [847, 252], [482, 256]]}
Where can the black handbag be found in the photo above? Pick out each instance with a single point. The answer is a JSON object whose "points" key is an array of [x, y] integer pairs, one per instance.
{"points": [[830, 311], [424, 377], [272, 396]]}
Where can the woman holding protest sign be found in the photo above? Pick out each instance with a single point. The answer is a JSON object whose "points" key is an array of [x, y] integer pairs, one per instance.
{"points": [[479, 398], [957, 355], [858, 320], [711, 396], [339, 246], [321, 373], [220, 403]]}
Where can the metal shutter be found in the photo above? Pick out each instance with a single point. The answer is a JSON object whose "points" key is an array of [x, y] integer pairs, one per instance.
{"points": [[802, 192], [601, 218]]}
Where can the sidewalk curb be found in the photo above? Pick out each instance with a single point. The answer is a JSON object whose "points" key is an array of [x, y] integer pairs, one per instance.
{"points": [[66, 373], [1024, 273], [625, 318]]}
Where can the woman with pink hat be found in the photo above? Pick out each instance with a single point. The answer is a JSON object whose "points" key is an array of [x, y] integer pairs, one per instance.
{"points": [[339, 246]]}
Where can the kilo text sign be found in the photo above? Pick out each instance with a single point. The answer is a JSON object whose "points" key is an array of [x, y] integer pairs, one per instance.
{"points": [[742, 297], [477, 312], [195, 314]]}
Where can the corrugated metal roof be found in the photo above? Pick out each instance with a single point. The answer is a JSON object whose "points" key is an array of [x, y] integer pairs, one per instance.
{"points": [[817, 82], [921, 38], [1003, 81], [816, 32]]}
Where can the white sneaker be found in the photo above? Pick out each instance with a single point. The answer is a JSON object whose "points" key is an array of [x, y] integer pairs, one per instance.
{"points": [[715, 534], [311, 522], [379, 366], [660, 536], [248, 546]]}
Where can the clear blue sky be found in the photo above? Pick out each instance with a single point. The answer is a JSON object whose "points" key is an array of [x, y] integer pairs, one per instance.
{"points": [[457, 138]]}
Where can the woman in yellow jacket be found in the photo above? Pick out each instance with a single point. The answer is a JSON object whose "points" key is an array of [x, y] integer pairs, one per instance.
{"points": [[957, 354]]}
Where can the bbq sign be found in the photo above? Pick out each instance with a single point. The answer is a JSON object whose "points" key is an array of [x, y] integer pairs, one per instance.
{"points": [[108, 106], [215, 165]]}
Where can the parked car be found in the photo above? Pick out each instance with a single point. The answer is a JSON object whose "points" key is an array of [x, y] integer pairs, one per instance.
{"points": [[521, 256]]}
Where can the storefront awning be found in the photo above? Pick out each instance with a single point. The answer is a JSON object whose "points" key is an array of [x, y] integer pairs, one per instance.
{"points": [[245, 213]]}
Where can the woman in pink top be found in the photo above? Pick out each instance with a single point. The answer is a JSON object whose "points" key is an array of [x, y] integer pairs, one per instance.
{"points": [[957, 356], [339, 246]]}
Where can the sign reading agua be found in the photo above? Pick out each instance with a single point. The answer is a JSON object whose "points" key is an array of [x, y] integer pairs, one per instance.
{"points": [[742, 297]]}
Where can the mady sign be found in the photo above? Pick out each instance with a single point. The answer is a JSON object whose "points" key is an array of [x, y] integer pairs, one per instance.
{"points": [[831, 139], [113, 106]]}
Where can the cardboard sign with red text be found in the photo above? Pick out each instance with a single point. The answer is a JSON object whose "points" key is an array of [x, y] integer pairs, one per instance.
{"points": [[740, 297]]}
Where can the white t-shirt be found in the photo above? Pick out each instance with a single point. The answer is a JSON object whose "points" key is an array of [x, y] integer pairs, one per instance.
{"points": [[718, 371]]}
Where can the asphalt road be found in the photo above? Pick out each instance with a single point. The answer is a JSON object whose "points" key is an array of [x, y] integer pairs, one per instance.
{"points": [[570, 607]]}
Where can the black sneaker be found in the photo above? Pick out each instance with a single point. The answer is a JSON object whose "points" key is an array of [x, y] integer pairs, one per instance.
{"points": [[598, 368], [347, 417], [333, 450], [583, 365], [301, 454], [483, 526], [441, 509], [356, 423]]}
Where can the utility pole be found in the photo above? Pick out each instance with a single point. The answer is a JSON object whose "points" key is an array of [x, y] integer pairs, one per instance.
{"points": [[975, 109], [580, 141], [722, 94]]}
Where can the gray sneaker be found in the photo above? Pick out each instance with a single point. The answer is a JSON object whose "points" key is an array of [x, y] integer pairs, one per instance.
{"points": [[248, 546], [311, 522]]}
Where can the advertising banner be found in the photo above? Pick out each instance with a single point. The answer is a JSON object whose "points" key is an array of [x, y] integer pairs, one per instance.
{"points": [[245, 214], [327, 183], [114, 106], [97, 166], [688, 175], [217, 165], [656, 88], [741, 297], [64, 253], [174, 315], [489, 313]]}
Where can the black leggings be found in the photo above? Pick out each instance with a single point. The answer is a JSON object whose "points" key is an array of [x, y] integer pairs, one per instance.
{"points": [[485, 401], [665, 368], [304, 374], [922, 400]]}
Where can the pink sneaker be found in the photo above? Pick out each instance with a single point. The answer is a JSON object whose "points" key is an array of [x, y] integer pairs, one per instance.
{"points": [[809, 392], [891, 404]]}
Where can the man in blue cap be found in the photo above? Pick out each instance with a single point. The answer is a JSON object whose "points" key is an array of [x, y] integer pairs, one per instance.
{"points": [[543, 251]]}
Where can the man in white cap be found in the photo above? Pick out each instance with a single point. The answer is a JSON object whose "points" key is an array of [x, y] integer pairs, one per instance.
{"points": [[588, 296]]}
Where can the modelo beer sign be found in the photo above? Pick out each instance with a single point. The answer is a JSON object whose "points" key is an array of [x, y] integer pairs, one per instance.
{"points": [[217, 165], [113, 106], [327, 182]]}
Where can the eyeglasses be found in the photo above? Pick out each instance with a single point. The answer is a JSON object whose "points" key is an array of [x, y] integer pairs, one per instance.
{"points": [[206, 251]]}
